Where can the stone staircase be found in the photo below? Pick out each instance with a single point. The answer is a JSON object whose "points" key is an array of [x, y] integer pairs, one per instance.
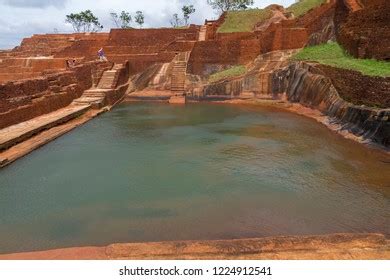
{"points": [[110, 78], [202, 33], [179, 71], [96, 97], [179, 75]]}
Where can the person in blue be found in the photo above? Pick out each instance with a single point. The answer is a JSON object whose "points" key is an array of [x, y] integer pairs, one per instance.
{"points": [[101, 54]]}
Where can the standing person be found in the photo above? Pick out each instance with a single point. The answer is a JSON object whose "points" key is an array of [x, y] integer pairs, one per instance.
{"points": [[102, 56]]}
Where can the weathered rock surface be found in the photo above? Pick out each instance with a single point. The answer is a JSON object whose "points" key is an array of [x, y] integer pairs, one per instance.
{"points": [[326, 247], [308, 85], [362, 27], [344, 96]]}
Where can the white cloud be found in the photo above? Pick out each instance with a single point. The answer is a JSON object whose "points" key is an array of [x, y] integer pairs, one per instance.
{"points": [[34, 3], [22, 18]]}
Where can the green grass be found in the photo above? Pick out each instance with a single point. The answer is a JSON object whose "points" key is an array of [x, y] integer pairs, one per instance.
{"points": [[228, 73], [303, 6], [332, 54], [243, 21]]}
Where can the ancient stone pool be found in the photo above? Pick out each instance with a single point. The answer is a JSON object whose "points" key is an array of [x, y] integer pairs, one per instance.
{"points": [[153, 172]]}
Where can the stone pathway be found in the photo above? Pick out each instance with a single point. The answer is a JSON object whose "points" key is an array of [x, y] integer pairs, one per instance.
{"points": [[17, 133], [33, 143]]}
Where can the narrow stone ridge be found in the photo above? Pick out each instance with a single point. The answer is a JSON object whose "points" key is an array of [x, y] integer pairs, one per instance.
{"points": [[17, 133]]}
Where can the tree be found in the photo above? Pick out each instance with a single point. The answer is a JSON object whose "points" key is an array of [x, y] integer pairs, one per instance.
{"points": [[187, 11], [84, 22], [229, 5], [139, 18], [176, 21], [121, 21], [126, 19], [115, 18]]}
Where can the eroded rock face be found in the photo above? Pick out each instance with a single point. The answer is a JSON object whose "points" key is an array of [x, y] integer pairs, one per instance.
{"points": [[307, 85], [326, 35], [344, 96]]}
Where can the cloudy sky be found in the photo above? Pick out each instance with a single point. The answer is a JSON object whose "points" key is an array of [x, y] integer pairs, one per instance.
{"points": [[22, 18]]}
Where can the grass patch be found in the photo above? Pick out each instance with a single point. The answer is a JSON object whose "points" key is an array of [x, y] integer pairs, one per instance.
{"points": [[303, 6], [332, 54], [228, 73], [243, 21]]}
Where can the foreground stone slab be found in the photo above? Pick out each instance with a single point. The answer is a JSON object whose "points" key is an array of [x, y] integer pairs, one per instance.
{"points": [[12, 135], [21, 149], [325, 247]]}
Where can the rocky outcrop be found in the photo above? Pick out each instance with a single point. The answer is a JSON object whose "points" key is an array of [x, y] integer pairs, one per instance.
{"points": [[326, 35], [306, 84], [350, 101], [256, 83]]}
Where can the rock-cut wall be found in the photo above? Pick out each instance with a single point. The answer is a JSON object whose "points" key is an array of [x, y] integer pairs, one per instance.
{"points": [[27, 99], [307, 84]]}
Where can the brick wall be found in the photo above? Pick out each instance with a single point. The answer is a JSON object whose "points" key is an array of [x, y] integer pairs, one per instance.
{"points": [[24, 100]]}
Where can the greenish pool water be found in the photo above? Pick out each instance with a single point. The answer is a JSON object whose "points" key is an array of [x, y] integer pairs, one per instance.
{"points": [[154, 172]]}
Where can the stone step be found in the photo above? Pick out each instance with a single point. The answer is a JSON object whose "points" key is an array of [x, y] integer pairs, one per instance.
{"points": [[117, 66], [87, 99], [108, 79], [17, 133], [96, 104], [94, 96]]}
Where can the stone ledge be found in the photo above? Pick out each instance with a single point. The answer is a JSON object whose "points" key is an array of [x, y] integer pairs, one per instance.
{"points": [[323, 247]]}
